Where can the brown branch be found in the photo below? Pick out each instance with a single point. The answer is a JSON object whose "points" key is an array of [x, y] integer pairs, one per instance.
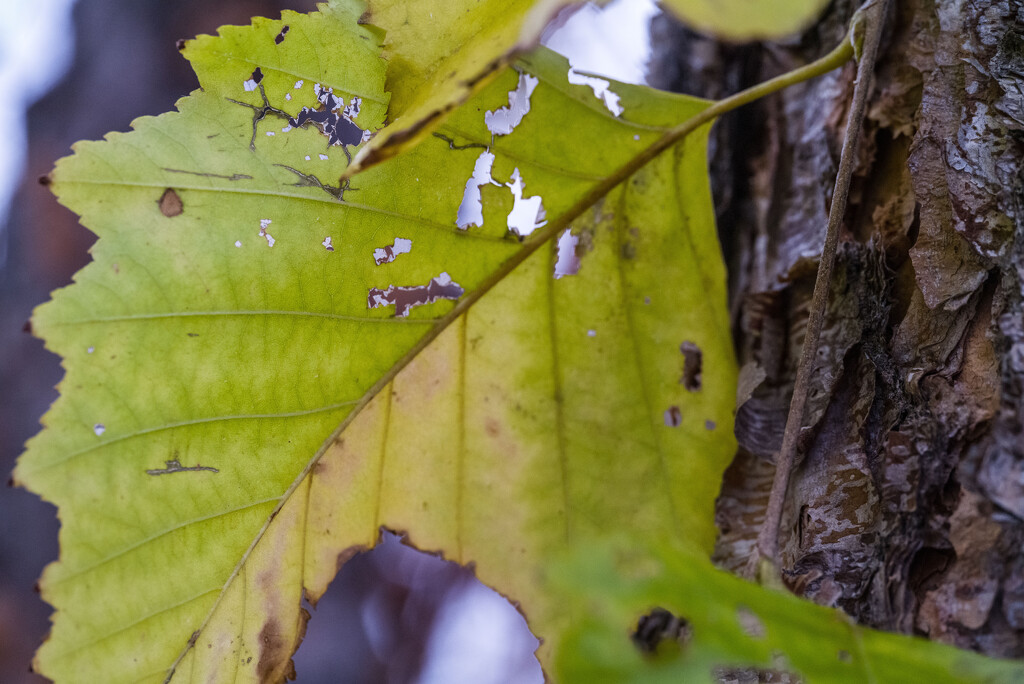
{"points": [[867, 34]]}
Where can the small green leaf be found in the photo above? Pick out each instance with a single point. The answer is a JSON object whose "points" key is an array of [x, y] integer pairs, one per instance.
{"points": [[731, 624]]}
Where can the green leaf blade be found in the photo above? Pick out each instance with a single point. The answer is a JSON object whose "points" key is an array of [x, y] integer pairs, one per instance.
{"points": [[211, 360]]}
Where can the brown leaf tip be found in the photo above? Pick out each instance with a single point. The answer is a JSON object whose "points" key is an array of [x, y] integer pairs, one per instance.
{"points": [[45, 180], [170, 203], [180, 44]]}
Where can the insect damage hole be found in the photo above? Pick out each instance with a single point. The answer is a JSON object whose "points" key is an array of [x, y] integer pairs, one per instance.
{"points": [[660, 626], [750, 623], [264, 224], [693, 363], [567, 262], [254, 80], [388, 253], [333, 117], [527, 213], [673, 416], [471, 210], [503, 121], [600, 87], [170, 203], [405, 298]]}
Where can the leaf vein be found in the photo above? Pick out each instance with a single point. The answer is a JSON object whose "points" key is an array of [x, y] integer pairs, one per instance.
{"points": [[189, 423], [170, 530]]}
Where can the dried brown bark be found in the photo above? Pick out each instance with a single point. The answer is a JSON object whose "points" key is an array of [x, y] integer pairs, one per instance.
{"points": [[908, 508]]}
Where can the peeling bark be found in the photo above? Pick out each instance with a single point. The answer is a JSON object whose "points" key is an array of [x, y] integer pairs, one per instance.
{"points": [[907, 510]]}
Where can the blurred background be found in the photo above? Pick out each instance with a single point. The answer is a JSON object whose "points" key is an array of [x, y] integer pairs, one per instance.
{"points": [[76, 70]]}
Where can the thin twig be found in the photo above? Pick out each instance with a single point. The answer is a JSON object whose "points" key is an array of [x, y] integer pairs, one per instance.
{"points": [[766, 561]]}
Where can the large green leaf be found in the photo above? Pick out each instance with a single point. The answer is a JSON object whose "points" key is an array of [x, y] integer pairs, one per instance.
{"points": [[732, 625], [537, 419], [233, 421]]}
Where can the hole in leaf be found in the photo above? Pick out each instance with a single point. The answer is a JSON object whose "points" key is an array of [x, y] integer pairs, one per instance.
{"points": [[395, 614], [527, 213], [693, 362], [264, 224], [673, 416], [752, 675], [471, 211], [750, 623], [504, 120], [601, 88], [388, 253], [405, 298], [568, 262], [659, 627], [254, 80], [333, 117]]}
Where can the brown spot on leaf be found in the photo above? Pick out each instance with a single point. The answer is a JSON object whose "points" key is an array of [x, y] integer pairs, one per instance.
{"points": [[279, 38], [274, 650], [693, 365], [492, 427], [170, 204]]}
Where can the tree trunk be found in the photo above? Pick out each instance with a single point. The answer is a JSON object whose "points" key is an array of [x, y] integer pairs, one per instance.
{"points": [[907, 510]]}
